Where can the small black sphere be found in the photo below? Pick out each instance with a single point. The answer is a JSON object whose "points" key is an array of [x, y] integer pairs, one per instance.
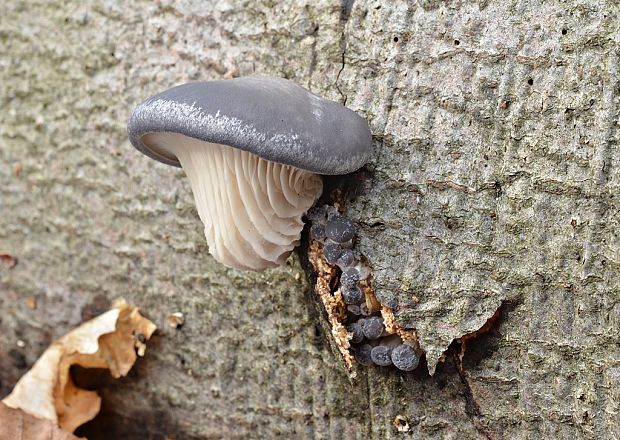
{"points": [[380, 355], [358, 334], [405, 358], [332, 252], [350, 277], [372, 327], [352, 295], [362, 354], [346, 258], [340, 229]]}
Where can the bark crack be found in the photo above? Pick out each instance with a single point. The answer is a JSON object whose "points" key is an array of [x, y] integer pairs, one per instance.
{"points": [[346, 7], [472, 407], [342, 95]]}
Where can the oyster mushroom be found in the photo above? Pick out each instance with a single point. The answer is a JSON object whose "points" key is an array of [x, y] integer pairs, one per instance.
{"points": [[253, 149]]}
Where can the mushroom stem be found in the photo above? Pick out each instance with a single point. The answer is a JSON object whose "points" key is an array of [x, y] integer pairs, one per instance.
{"points": [[252, 208]]}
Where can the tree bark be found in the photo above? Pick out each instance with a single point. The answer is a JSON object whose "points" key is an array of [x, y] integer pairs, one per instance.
{"points": [[492, 198]]}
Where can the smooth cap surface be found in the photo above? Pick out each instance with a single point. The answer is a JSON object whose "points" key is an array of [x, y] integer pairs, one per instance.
{"points": [[271, 117]]}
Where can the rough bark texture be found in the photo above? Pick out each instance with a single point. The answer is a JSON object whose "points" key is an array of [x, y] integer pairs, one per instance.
{"points": [[494, 186]]}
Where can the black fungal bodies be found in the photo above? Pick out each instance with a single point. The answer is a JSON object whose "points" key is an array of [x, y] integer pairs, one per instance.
{"points": [[404, 357], [362, 322]]}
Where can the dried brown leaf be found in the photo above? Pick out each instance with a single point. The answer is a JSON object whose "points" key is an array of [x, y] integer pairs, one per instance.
{"points": [[16, 424], [112, 340]]}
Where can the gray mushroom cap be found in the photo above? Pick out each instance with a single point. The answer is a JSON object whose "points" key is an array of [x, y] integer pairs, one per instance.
{"points": [[271, 117]]}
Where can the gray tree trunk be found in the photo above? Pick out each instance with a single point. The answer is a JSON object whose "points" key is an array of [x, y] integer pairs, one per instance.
{"points": [[493, 195]]}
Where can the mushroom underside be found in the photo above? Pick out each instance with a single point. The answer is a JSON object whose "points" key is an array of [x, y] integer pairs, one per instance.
{"points": [[251, 208]]}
